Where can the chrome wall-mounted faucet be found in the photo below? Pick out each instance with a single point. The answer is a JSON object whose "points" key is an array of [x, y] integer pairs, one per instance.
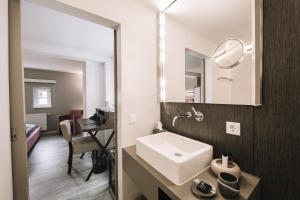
{"points": [[187, 115], [198, 115]]}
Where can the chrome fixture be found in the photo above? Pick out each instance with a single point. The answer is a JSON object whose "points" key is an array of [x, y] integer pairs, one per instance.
{"points": [[198, 115], [186, 115], [229, 53]]}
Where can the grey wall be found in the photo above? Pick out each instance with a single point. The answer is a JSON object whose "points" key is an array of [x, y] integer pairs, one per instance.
{"points": [[269, 144], [67, 93]]}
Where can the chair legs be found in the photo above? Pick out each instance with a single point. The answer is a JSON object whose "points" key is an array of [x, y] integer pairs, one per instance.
{"points": [[70, 160], [90, 174]]}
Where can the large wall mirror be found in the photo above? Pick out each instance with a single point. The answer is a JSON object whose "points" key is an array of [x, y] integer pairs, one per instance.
{"points": [[211, 51]]}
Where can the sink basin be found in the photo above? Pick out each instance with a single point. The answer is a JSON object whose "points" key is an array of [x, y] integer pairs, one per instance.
{"points": [[176, 157]]}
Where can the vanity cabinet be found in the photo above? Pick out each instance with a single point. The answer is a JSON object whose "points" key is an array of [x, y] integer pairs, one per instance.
{"points": [[155, 186], [162, 195]]}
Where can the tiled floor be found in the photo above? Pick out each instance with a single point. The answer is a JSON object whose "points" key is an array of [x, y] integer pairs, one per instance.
{"points": [[48, 178]]}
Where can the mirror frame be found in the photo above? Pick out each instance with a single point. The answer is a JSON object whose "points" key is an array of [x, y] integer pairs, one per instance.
{"points": [[257, 32]]}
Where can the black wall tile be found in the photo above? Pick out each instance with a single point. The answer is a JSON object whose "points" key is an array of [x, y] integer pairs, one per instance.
{"points": [[277, 122]]}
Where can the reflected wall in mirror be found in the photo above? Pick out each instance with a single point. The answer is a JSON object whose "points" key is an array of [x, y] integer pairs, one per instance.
{"points": [[212, 51]]}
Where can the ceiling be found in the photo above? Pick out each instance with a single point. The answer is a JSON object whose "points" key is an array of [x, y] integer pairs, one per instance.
{"points": [[36, 60], [54, 34], [216, 20], [157, 4]]}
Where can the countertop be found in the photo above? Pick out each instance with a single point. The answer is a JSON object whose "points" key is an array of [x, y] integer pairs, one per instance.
{"points": [[139, 170]]}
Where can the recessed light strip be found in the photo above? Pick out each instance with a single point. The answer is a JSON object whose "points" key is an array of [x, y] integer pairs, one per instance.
{"points": [[162, 45]]}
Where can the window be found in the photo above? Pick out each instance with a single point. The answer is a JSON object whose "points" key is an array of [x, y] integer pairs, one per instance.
{"points": [[42, 97]]}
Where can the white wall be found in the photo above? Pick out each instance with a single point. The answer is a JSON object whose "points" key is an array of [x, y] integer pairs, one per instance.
{"points": [[5, 147], [138, 81], [110, 83], [35, 60], [243, 77], [178, 39], [228, 92], [94, 87], [217, 91]]}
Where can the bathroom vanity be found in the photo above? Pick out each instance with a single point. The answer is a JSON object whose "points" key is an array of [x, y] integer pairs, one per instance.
{"points": [[155, 186]]}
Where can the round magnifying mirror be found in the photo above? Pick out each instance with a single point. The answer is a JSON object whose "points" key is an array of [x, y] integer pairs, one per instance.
{"points": [[229, 53]]}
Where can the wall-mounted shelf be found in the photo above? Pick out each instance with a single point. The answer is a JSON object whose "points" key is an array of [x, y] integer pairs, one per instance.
{"points": [[29, 80], [224, 78]]}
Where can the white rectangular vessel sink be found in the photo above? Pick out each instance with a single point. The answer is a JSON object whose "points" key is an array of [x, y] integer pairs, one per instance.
{"points": [[176, 157]]}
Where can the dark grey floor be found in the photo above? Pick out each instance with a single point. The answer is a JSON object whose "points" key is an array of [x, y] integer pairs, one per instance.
{"points": [[48, 178]]}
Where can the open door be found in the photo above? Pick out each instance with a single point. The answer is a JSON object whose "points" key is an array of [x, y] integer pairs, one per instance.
{"points": [[17, 116]]}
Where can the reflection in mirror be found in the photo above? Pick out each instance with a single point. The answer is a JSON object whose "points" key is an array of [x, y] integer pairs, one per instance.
{"points": [[201, 64], [194, 77], [229, 53]]}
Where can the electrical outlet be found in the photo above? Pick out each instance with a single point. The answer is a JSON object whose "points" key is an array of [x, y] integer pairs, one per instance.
{"points": [[132, 118], [233, 128]]}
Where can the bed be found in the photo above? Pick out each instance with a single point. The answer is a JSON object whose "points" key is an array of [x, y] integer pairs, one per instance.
{"points": [[33, 134]]}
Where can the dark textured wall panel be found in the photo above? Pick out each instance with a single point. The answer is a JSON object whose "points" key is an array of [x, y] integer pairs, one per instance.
{"points": [[212, 129], [277, 122], [270, 139]]}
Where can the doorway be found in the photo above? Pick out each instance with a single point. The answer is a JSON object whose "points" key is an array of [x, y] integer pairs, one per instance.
{"points": [[194, 77], [47, 52]]}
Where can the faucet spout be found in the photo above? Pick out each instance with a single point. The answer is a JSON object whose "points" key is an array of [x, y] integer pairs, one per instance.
{"points": [[175, 118], [187, 115], [197, 114]]}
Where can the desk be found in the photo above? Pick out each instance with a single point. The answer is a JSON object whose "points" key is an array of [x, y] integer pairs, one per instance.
{"points": [[93, 127]]}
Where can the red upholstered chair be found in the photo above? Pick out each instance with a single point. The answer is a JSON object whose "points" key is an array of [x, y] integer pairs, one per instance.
{"points": [[72, 116]]}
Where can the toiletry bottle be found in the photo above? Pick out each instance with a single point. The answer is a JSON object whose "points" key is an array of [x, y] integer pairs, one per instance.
{"points": [[224, 160]]}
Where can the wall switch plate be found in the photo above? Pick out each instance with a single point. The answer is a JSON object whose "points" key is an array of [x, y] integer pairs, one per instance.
{"points": [[233, 128], [132, 118]]}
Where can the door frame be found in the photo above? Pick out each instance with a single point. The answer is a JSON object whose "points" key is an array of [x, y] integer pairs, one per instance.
{"points": [[20, 181], [6, 187], [17, 106]]}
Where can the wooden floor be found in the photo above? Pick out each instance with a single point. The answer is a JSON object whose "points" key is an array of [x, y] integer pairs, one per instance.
{"points": [[48, 178]]}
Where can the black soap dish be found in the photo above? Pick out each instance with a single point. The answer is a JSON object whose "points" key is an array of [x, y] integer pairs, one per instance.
{"points": [[203, 190]]}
